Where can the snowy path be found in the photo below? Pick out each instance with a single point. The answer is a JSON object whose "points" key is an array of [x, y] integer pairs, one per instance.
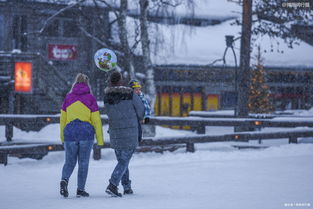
{"points": [[215, 177]]}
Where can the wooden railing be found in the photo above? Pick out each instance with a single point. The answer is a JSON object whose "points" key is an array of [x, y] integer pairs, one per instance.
{"points": [[189, 141], [36, 122]]}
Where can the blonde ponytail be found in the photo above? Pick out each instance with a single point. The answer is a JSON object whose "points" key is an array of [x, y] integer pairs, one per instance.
{"points": [[81, 78]]}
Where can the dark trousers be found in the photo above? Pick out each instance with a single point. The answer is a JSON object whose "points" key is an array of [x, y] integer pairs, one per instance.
{"points": [[121, 171], [139, 131]]}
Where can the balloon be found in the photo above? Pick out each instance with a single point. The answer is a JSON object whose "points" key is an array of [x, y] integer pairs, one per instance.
{"points": [[105, 59]]}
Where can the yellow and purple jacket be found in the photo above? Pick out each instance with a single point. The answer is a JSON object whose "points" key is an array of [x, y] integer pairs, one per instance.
{"points": [[82, 105]]}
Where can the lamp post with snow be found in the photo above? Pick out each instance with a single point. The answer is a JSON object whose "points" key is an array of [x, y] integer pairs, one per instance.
{"points": [[229, 44]]}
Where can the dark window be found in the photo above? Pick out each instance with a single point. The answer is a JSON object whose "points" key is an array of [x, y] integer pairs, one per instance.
{"points": [[299, 90], [19, 28], [272, 90], [1, 32], [290, 90], [70, 29], [229, 99], [53, 28]]}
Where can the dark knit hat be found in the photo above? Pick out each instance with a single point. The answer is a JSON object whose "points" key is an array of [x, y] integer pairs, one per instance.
{"points": [[115, 78]]}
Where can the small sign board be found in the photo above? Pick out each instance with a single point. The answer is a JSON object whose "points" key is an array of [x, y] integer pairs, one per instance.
{"points": [[62, 52], [23, 77]]}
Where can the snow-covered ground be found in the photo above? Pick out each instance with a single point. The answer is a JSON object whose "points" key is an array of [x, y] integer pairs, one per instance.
{"points": [[215, 176]]}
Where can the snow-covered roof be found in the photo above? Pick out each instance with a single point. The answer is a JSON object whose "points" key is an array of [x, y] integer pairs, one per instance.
{"points": [[182, 44], [203, 45], [64, 2], [207, 8], [198, 9]]}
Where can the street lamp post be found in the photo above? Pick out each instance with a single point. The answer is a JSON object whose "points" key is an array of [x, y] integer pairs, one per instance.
{"points": [[229, 44]]}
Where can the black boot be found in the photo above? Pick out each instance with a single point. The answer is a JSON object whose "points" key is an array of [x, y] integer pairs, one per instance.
{"points": [[128, 191], [81, 193], [63, 188], [113, 191]]}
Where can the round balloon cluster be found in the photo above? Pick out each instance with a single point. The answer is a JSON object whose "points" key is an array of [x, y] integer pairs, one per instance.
{"points": [[105, 59]]}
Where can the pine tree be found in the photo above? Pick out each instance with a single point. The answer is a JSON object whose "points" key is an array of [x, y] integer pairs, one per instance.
{"points": [[259, 97]]}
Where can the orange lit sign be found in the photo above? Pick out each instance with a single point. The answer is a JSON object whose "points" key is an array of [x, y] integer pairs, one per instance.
{"points": [[23, 77]]}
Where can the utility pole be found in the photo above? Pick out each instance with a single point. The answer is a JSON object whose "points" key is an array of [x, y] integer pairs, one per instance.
{"points": [[244, 69], [11, 102]]}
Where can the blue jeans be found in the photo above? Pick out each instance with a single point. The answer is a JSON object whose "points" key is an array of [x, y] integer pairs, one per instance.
{"points": [[78, 130], [121, 171], [77, 150]]}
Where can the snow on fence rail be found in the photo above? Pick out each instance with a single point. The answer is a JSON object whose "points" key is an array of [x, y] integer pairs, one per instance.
{"points": [[189, 141], [30, 150], [36, 122], [227, 114], [236, 137], [230, 114]]}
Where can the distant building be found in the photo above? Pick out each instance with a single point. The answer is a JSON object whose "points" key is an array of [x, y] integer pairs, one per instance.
{"points": [[191, 75], [184, 78], [182, 88], [57, 53]]}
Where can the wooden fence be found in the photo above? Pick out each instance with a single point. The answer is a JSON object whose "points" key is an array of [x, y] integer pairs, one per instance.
{"points": [[188, 141], [35, 122]]}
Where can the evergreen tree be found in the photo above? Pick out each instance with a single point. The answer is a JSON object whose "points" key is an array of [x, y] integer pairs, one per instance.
{"points": [[259, 97]]}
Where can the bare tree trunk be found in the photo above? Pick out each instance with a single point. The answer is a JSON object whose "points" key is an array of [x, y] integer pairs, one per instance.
{"points": [[244, 71], [124, 39], [145, 44]]}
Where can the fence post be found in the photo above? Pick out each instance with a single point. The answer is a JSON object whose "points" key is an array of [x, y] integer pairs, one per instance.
{"points": [[4, 159], [9, 125], [9, 131], [293, 139], [200, 129], [96, 152], [190, 147]]}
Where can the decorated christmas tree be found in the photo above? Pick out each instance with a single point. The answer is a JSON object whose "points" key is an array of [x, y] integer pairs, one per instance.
{"points": [[259, 97]]}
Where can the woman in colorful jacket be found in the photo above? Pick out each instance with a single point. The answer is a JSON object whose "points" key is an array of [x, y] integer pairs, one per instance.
{"points": [[80, 121]]}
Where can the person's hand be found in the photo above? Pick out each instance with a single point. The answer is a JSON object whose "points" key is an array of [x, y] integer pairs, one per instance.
{"points": [[146, 120]]}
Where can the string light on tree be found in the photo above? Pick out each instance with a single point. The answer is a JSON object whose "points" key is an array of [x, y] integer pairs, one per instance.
{"points": [[259, 97]]}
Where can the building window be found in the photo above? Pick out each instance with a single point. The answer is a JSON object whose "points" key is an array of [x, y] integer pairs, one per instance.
{"points": [[62, 28], [1, 32], [53, 28], [228, 99], [19, 28], [70, 28]]}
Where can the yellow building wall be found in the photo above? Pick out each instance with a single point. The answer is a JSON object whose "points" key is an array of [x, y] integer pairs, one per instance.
{"points": [[197, 101], [156, 105], [186, 103], [212, 102], [165, 104], [175, 106]]}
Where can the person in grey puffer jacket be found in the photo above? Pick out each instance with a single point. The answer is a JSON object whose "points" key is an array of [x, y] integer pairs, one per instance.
{"points": [[124, 110]]}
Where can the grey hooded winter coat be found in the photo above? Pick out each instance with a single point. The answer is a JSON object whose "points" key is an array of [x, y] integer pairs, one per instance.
{"points": [[124, 109]]}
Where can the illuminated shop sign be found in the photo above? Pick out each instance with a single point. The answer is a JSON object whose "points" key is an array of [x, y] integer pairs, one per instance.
{"points": [[62, 52], [23, 77]]}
